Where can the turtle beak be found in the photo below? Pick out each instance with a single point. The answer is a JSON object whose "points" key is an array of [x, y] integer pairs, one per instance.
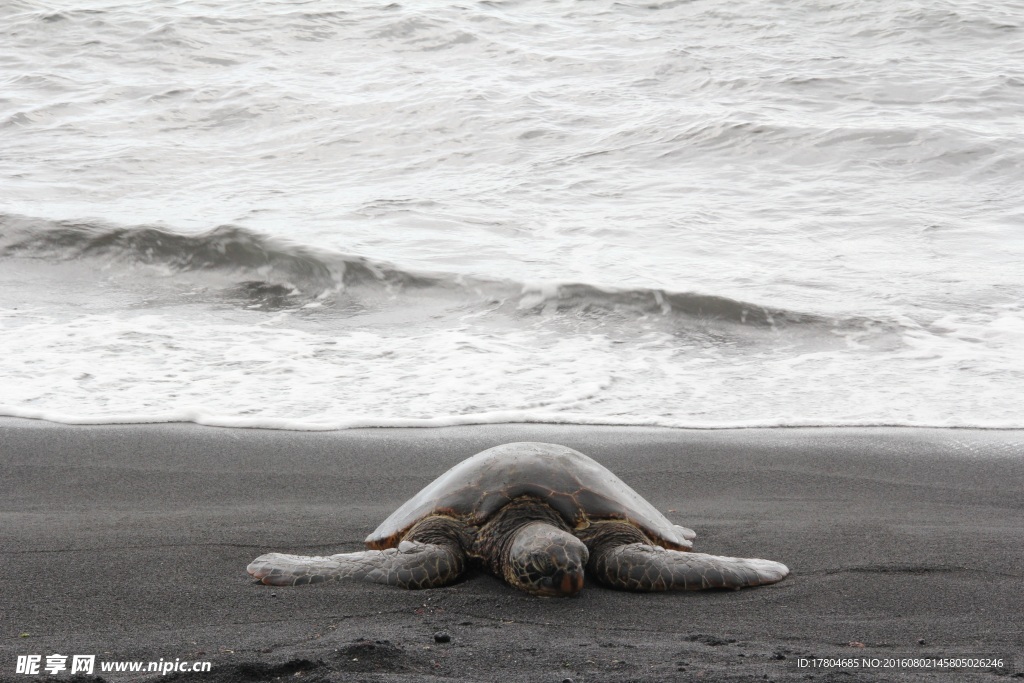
{"points": [[564, 584], [559, 584], [572, 583]]}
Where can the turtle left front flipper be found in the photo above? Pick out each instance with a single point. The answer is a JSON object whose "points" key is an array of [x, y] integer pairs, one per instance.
{"points": [[645, 567], [410, 565]]}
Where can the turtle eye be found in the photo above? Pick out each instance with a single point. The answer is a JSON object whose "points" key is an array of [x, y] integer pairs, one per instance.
{"points": [[543, 564]]}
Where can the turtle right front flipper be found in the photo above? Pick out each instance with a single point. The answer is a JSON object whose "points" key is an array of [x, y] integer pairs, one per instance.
{"points": [[410, 565]]}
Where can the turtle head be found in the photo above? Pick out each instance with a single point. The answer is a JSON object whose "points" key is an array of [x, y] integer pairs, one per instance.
{"points": [[544, 560]]}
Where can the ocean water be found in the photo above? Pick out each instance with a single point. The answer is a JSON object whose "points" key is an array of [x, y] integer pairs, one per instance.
{"points": [[317, 215]]}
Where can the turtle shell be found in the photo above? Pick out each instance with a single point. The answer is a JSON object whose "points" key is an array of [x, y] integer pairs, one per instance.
{"points": [[576, 486]]}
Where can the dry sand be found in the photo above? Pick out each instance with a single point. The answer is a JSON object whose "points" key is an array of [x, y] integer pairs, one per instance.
{"points": [[130, 543]]}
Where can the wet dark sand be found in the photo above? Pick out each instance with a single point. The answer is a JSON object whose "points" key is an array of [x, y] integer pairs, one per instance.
{"points": [[130, 543]]}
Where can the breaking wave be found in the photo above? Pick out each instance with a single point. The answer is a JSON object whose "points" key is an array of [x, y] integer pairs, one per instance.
{"points": [[277, 274]]}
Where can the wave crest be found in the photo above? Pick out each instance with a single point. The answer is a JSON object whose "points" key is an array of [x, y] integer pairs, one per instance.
{"points": [[274, 274], [227, 247], [645, 301]]}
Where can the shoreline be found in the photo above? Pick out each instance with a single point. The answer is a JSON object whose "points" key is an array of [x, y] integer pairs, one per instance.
{"points": [[497, 419], [130, 542]]}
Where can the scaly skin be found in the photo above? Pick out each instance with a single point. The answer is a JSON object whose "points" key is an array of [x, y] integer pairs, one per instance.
{"points": [[622, 557], [529, 545], [546, 561], [432, 557]]}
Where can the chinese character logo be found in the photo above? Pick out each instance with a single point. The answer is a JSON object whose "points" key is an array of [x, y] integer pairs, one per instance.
{"points": [[28, 664]]}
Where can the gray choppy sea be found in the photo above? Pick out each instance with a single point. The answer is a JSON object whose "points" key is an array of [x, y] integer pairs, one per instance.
{"points": [[311, 215]]}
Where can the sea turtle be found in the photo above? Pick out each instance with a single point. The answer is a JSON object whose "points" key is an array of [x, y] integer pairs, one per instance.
{"points": [[537, 515]]}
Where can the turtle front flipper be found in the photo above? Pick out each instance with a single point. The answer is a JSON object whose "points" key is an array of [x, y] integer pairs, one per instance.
{"points": [[410, 565], [643, 567]]}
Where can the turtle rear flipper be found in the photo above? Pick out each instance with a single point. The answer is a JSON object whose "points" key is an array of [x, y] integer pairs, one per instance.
{"points": [[410, 565], [643, 567]]}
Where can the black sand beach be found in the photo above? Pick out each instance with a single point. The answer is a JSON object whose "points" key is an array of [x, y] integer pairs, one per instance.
{"points": [[131, 542]]}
